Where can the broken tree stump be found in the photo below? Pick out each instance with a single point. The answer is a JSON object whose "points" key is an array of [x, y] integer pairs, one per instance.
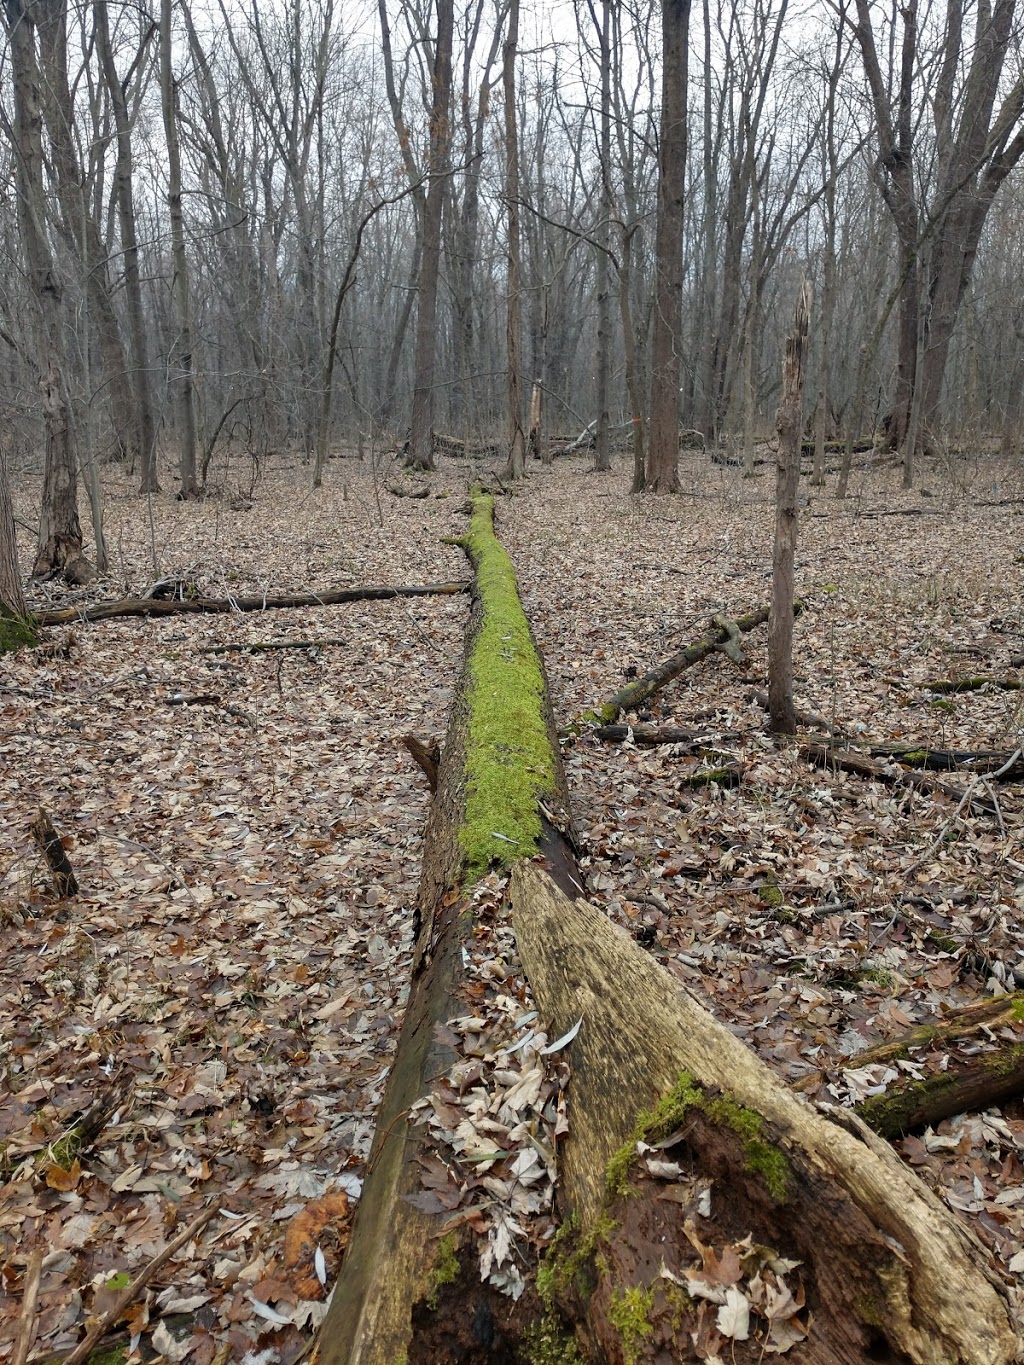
{"points": [[733, 1161], [150, 606], [49, 843], [498, 765]]}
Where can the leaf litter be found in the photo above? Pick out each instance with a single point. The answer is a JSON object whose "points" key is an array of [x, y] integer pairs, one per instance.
{"points": [[241, 945]]}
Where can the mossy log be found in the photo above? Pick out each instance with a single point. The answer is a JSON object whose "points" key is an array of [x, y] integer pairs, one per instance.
{"points": [[156, 606], [886, 1271], [499, 762], [634, 694], [963, 1063], [951, 686], [1008, 765], [825, 755]]}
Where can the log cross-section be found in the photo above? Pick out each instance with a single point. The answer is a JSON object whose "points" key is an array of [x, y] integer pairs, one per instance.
{"points": [[498, 766]]}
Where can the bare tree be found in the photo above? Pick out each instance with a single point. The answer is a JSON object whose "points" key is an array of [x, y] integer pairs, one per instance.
{"points": [[421, 434], [516, 466], [12, 597], [60, 532], [789, 423], [663, 457]]}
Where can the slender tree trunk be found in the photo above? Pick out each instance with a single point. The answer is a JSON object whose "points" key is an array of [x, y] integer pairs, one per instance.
{"points": [[145, 425], [60, 532], [12, 595], [516, 467], [663, 458], [781, 708], [602, 436], [181, 351], [421, 435]]}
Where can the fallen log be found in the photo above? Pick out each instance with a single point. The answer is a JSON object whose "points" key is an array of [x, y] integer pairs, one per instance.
{"points": [[986, 761], [692, 1178], [499, 764], [634, 694], [329, 597], [649, 736], [953, 686], [965, 1062], [825, 755]]}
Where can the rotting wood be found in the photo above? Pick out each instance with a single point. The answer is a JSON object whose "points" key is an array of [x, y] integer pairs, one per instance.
{"points": [[427, 756], [989, 762], [329, 597], [965, 1062], [952, 686], [634, 694], [29, 1300], [825, 755], [649, 736], [50, 846], [500, 732], [265, 646], [888, 1272]]}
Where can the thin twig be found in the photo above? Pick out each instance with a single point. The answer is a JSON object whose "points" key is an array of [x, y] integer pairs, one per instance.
{"points": [[127, 1296], [27, 1326]]}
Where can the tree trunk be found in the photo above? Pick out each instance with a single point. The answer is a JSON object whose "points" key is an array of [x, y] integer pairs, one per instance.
{"points": [[516, 466], [145, 424], [602, 436], [789, 422], [663, 456], [886, 1272], [14, 627], [421, 434], [182, 358], [60, 532]]}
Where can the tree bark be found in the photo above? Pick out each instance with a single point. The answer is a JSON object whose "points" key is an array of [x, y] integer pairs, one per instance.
{"points": [[421, 445], [789, 422], [886, 1272], [515, 468], [663, 454], [182, 362], [60, 532]]}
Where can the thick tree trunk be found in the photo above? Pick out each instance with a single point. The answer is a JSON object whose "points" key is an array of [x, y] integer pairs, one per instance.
{"points": [[663, 454], [421, 443], [60, 532], [685, 1151]]}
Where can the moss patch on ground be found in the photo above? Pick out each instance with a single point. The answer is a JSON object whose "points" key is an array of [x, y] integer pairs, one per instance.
{"points": [[509, 764]]}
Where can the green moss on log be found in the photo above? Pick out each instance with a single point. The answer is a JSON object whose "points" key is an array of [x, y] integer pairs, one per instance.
{"points": [[446, 1269], [629, 1312], [510, 767], [16, 632]]}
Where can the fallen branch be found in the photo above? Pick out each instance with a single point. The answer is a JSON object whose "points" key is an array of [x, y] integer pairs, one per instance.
{"points": [[129, 1293], [329, 597], [951, 686], [648, 736], [634, 694], [807, 720], [29, 1299], [991, 762], [264, 646], [826, 755], [886, 1271], [48, 841], [212, 699], [969, 1060]]}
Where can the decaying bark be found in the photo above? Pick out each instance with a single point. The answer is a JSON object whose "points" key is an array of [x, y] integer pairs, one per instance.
{"points": [[48, 841], [825, 755], [376, 1312], [634, 694], [330, 597], [888, 1272], [965, 1062]]}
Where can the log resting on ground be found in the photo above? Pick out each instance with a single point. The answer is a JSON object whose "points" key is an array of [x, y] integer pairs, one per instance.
{"points": [[500, 712], [889, 1274], [329, 597], [824, 755], [965, 1062]]}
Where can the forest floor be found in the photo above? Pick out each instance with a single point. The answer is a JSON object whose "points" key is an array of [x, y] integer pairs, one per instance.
{"points": [[248, 865]]}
